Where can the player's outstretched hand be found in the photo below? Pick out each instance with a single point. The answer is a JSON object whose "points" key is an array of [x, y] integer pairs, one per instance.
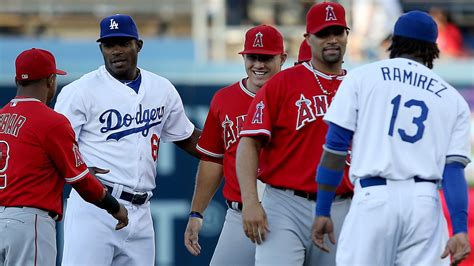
{"points": [[255, 223], [96, 170], [122, 217], [191, 235], [322, 225], [458, 247]]}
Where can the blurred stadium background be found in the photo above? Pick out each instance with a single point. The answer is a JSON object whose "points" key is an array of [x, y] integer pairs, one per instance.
{"points": [[194, 43]]}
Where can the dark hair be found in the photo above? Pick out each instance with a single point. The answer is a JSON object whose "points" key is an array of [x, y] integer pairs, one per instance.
{"points": [[26, 83], [426, 51]]}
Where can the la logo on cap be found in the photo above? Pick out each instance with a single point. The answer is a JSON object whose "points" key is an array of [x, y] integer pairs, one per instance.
{"points": [[330, 15], [113, 24], [258, 42]]}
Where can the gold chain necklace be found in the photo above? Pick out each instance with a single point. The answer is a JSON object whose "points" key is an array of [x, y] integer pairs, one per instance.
{"points": [[319, 82]]}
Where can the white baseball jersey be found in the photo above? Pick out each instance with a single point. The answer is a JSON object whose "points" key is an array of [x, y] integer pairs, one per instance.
{"points": [[407, 120], [119, 129]]}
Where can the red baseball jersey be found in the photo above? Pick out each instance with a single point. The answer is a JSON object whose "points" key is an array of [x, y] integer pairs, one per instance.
{"points": [[288, 112], [38, 155], [221, 133]]}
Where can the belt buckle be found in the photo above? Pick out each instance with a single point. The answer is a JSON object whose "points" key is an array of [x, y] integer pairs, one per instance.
{"points": [[139, 198]]}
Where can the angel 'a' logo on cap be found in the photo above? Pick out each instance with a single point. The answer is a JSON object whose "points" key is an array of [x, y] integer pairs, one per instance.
{"points": [[330, 15], [113, 24], [258, 42]]}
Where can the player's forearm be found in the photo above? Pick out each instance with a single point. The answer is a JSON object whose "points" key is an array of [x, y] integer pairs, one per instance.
{"points": [[189, 144], [329, 175], [89, 188], [209, 177], [92, 191], [247, 166], [456, 196]]}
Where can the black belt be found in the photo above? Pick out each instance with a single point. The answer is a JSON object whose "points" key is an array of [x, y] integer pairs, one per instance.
{"points": [[53, 215], [235, 205], [379, 181], [300, 193], [137, 199], [313, 196]]}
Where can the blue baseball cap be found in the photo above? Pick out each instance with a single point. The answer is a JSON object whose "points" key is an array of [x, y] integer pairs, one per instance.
{"points": [[118, 26], [416, 25]]}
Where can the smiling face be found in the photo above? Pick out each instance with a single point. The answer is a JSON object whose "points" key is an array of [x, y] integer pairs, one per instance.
{"points": [[260, 68], [120, 56], [328, 46]]}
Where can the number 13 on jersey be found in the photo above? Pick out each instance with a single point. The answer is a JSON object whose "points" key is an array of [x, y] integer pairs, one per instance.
{"points": [[4, 156], [417, 120]]}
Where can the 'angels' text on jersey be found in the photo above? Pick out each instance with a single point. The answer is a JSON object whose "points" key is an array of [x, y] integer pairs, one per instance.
{"points": [[307, 111], [231, 129], [112, 119]]}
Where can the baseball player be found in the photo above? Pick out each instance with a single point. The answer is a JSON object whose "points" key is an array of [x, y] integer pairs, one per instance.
{"points": [[38, 155], [410, 132], [119, 114], [263, 56], [284, 125], [304, 53]]}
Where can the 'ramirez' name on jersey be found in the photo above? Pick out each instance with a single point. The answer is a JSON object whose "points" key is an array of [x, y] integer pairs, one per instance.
{"points": [[413, 78]]}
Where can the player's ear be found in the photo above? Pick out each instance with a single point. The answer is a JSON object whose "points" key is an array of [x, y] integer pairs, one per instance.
{"points": [[139, 44], [51, 80], [283, 57]]}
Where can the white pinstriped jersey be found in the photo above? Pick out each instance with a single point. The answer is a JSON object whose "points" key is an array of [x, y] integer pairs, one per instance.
{"points": [[407, 120], [119, 129]]}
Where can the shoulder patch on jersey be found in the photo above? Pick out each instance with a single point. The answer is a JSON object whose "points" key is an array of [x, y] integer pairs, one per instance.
{"points": [[77, 155], [258, 115]]}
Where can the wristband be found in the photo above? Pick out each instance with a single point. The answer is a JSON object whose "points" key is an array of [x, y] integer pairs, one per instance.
{"points": [[109, 203], [194, 214], [324, 202], [328, 176]]}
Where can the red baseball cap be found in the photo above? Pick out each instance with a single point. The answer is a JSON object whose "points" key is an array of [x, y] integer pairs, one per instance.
{"points": [[304, 53], [35, 64], [323, 15], [263, 39]]}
